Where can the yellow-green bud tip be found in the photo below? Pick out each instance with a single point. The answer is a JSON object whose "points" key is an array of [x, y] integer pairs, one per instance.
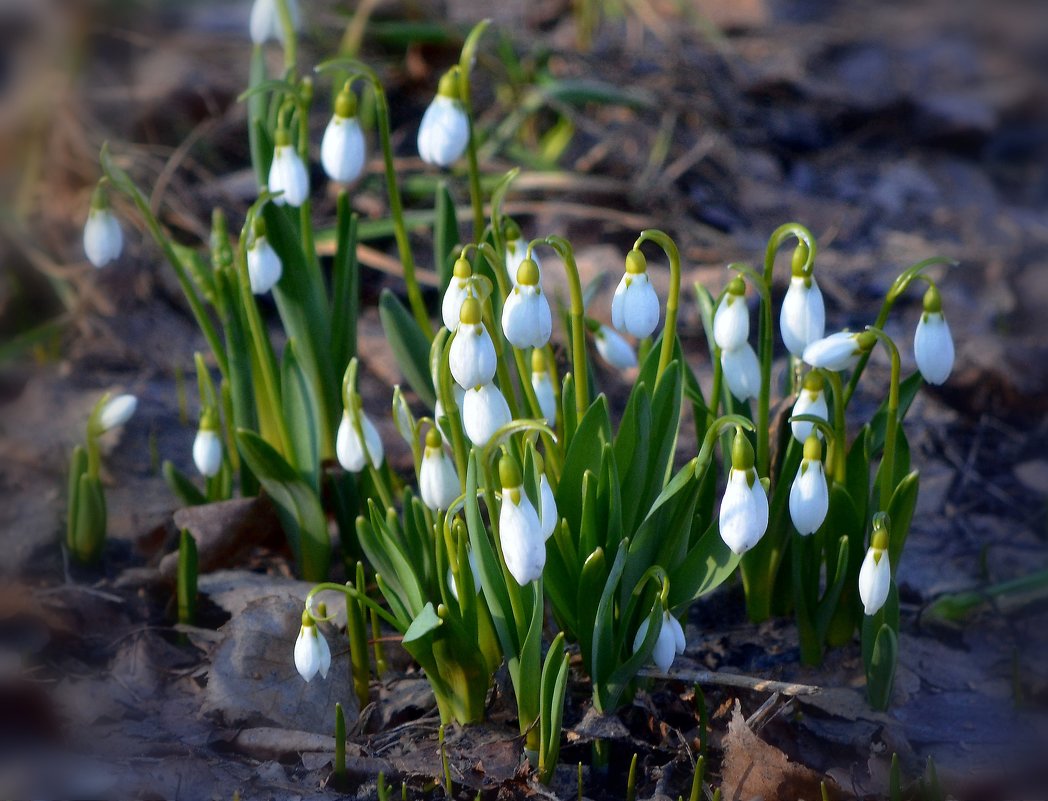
{"points": [[259, 227], [282, 137], [933, 300], [307, 619], [509, 474], [538, 361], [209, 419], [511, 231], [462, 268], [539, 464], [636, 264], [741, 451], [813, 447], [866, 340], [800, 258], [433, 438], [814, 382], [449, 84], [528, 273], [346, 104], [99, 198], [737, 286], [470, 312]]}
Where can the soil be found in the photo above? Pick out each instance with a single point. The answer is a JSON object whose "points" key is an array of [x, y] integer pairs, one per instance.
{"points": [[894, 132]]}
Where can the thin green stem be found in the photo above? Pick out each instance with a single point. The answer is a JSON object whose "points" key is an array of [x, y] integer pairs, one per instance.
{"points": [[351, 592], [287, 25], [836, 456], [578, 322], [891, 426], [669, 331], [465, 95]]}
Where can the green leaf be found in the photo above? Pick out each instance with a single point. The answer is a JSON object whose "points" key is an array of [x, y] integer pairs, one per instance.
{"points": [[858, 471], [409, 344], [90, 529], [345, 292], [186, 590], [580, 91], [445, 235], [298, 505], [300, 413], [880, 676], [908, 390], [709, 563], [77, 468], [590, 586], [181, 485], [900, 510], [583, 453]]}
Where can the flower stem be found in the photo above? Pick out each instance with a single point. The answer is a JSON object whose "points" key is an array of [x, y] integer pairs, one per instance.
{"points": [[837, 454], [287, 25], [891, 425], [578, 323], [669, 332]]}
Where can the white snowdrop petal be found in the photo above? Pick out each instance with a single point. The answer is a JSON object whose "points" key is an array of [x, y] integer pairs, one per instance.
{"points": [[307, 653], [812, 403], [288, 176], [802, 319], [731, 322], [874, 581], [207, 452], [484, 411], [678, 633], [438, 481], [117, 411], [836, 352], [444, 132], [618, 300], [547, 508], [742, 371], [348, 447], [372, 440], [665, 647], [742, 519], [615, 350], [472, 356], [523, 546], [547, 399], [526, 317], [809, 497], [103, 239], [933, 347], [264, 268], [451, 304], [342, 149]]}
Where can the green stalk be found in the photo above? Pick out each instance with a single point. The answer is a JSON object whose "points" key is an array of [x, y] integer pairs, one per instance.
{"points": [[287, 24], [578, 323], [669, 331], [340, 743], [891, 426], [465, 66], [837, 454]]}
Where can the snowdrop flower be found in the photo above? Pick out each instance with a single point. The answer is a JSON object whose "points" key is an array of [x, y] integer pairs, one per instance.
{"points": [[263, 264], [809, 495], [635, 305], [742, 371], [472, 355], [458, 290], [526, 317], [472, 569], [731, 321], [438, 483], [548, 514], [875, 576], [840, 351], [207, 447], [103, 239], [517, 250], [342, 148], [484, 411], [353, 453], [670, 641], [438, 409], [444, 131], [287, 173], [523, 546], [932, 342], [744, 507], [543, 386], [810, 400], [265, 24], [312, 654], [117, 411], [613, 349], [802, 318]]}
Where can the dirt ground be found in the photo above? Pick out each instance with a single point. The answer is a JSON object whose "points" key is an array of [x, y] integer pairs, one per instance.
{"points": [[894, 131]]}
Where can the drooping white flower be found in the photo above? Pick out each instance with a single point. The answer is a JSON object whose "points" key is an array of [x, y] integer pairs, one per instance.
{"points": [[543, 386], [517, 251], [472, 569], [117, 411], [287, 173], [342, 148], [526, 317], [312, 654], [484, 411], [744, 508], [811, 400], [742, 371], [207, 446], [809, 494], [438, 410], [520, 532], [802, 318], [668, 645], [103, 239], [731, 321], [459, 288], [635, 305], [472, 354], [438, 482], [352, 453], [263, 264], [839, 351], [875, 574], [932, 342], [547, 508], [265, 24], [613, 349], [444, 131]]}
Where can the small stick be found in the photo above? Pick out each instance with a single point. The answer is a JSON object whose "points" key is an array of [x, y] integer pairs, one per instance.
{"points": [[733, 680]]}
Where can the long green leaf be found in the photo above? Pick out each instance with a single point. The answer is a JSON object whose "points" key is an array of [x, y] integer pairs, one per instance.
{"points": [[410, 345], [300, 409], [345, 292]]}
